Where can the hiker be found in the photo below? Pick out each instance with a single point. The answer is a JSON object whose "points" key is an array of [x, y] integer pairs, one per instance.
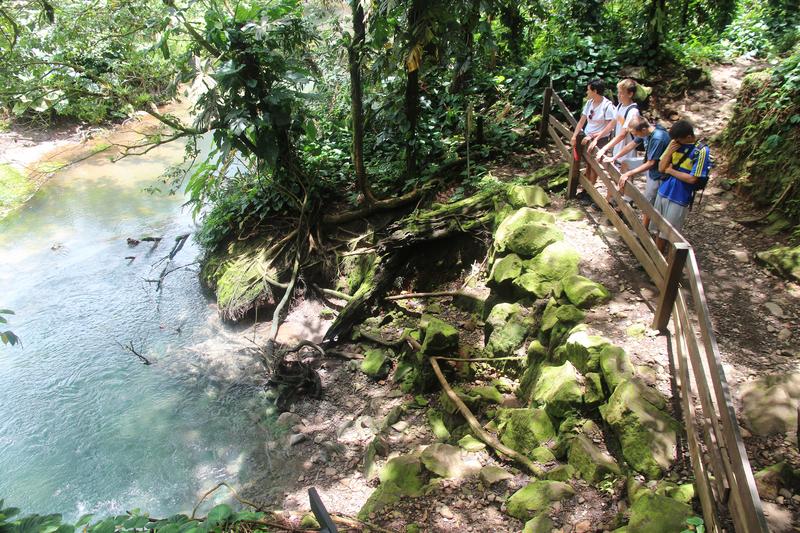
{"points": [[597, 113], [626, 111], [686, 162], [654, 139]]}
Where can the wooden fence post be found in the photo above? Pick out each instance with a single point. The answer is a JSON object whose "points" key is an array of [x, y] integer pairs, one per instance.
{"points": [[678, 252], [575, 167], [546, 104]]}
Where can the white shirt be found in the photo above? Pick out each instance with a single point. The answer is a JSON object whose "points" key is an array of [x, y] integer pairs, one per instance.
{"points": [[622, 123], [597, 116]]}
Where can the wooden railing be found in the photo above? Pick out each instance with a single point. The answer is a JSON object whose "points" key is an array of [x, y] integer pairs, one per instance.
{"points": [[724, 481]]}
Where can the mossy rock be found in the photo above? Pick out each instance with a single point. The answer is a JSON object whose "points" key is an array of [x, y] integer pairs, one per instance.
{"points": [[566, 314], [558, 389], [615, 366], [376, 364], [647, 435], [505, 270], [401, 477], [583, 350], [658, 514], [541, 523], [589, 461], [494, 474], [404, 471], [471, 444], [526, 232], [537, 497], [537, 352], [594, 389], [543, 273], [438, 427], [527, 196], [446, 461], [584, 292], [561, 473], [441, 338], [571, 214], [487, 393], [785, 260], [510, 325], [525, 429], [309, 521], [683, 493], [543, 455]]}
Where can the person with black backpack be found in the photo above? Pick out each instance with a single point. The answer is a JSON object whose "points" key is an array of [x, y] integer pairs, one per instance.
{"points": [[687, 164]]}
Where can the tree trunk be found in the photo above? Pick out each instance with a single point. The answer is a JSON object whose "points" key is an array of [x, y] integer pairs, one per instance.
{"points": [[412, 91], [354, 52], [656, 20]]}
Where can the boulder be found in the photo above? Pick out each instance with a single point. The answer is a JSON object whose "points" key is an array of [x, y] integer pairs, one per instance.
{"points": [[584, 292], [772, 479], [487, 392], [471, 444], [543, 455], [438, 427], [517, 220], [507, 337], [541, 523], [445, 460], [505, 270], [583, 350], [647, 435], [440, 337], [401, 477], [537, 497], [652, 513], [527, 196], [589, 461], [524, 430], [376, 364], [769, 403], [494, 474], [785, 260], [542, 273], [615, 366], [561, 473], [594, 389], [683, 493], [558, 389]]}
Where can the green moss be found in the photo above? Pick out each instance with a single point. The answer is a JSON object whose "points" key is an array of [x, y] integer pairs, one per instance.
{"points": [[376, 364], [536, 497], [558, 389], [440, 337], [436, 421], [589, 461], [658, 514], [785, 260], [584, 292], [14, 188], [237, 276], [527, 196], [539, 524], [524, 430], [543, 273], [471, 444]]}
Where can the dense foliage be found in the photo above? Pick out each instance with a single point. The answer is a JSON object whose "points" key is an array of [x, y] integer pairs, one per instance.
{"points": [[763, 136]]}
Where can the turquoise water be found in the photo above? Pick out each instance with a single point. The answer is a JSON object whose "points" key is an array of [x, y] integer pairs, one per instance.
{"points": [[84, 426]]}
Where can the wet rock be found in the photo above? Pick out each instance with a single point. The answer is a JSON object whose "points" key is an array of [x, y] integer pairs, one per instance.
{"points": [[376, 364], [536, 497]]}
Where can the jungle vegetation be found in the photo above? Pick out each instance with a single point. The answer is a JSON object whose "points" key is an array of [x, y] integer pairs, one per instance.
{"points": [[325, 112]]}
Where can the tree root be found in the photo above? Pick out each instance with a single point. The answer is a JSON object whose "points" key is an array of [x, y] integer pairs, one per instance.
{"points": [[481, 433], [233, 492], [438, 294]]}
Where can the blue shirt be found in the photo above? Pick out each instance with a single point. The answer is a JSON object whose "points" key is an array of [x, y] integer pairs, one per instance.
{"points": [[654, 146], [698, 163]]}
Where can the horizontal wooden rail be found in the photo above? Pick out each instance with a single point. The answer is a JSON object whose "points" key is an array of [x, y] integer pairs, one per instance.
{"points": [[724, 478]]}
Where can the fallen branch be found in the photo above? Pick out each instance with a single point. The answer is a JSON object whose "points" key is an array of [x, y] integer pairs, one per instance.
{"points": [[235, 495], [438, 294], [481, 433], [135, 352], [352, 522], [180, 240], [306, 343]]}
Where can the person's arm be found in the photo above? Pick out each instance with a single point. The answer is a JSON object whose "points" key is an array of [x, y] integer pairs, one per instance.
{"points": [[698, 170], [647, 165], [625, 149], [666, 158], [602, 133], [578, 128], [610, 144]]}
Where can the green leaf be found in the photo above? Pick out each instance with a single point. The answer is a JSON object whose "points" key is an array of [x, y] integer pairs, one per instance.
{"points": [[82, 521], [219, 514]]}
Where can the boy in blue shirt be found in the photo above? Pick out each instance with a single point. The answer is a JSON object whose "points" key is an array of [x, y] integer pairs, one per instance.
{"points": [[686, 164], [654, 140]]}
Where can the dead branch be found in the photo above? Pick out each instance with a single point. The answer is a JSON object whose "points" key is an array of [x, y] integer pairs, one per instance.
{"points": [[438, 294], [481, 433], [233, 492], [180, 240], [129, 347], [303, 344]]}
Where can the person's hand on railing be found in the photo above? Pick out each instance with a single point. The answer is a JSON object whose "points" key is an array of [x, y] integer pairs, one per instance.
{"points": [[623, 179], [593, 144], [586, 140], [607, 159]]}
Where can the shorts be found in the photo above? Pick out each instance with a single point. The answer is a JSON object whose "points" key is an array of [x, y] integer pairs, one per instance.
{"points": [[674, 213], [651, 189]]}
